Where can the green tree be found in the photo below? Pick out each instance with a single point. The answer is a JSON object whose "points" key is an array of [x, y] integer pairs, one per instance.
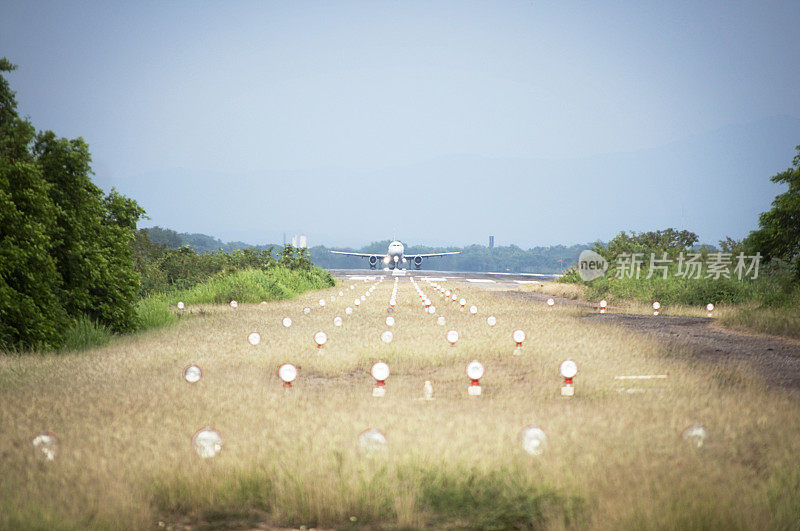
{"points": [[65, 248], [778, 235]]}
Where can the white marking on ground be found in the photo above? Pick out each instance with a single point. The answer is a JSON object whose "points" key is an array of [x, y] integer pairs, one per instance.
{"points": [[484, 280], [527, 282], [641, 377], [361, 277], [434, 279]]}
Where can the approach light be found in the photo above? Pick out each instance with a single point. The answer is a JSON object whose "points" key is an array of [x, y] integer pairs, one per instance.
{"points": [[447, 293], [207, 442], [45, 445], [463, 302], [363, 298], [392, 303], [306, 310], [519, 337], [440, 320], [288, 373], [320, 338], [428, 390], [432, 310], [234, 304], [371, 441], [695, 435], [322, 303], [453, 297], [192, 373], [181, 305], [551, 302], [568, 370], [474, 372], [473, 310], [452, 336], [341, 294], [389, 320], [287, 322], [603, 306], [656, 307], [337, 321], [387, 336], [534, 440], [710, 308], [348, 310], [352, 286], [357, 303], [379, 371], [491, 320], [254, 338]]}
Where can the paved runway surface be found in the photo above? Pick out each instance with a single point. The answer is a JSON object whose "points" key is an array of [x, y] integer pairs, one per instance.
{"points": [[489, 281]]}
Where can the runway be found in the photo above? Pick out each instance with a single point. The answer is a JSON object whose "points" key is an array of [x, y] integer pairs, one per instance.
{"points": [[488, 281]]}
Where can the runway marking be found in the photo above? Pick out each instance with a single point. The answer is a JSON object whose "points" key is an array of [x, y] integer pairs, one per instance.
{"points": [[435, 279], [483, 280], [527, 282], [641, 377], [361, 277]]}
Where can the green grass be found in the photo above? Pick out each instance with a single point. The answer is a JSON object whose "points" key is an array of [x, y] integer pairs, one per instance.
{"points": [[85, 334], [480, 499], [248, 286], [775, 321]]}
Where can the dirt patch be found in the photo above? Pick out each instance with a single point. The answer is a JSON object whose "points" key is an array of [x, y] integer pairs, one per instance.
{"points": [[776, 359]]}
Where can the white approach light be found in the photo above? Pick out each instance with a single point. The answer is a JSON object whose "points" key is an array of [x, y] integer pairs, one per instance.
{"points": [[491, 320], [45, 445], [710, 308], [254, 338], [386, 336], [473, 310], [603, 306], [320, 338], [341, 294], [371, 441], [192, 373], [337, 321], [432, 310], [551, 302], [389, 320], [288, 373], [463, 302], [234, 304], [656, 307], [357, 302], [695, 435], [519, 337], [322, 302], [287, 322], [474, 372], [440, 320], [348, 310], [533, 440], [452, 337], [207, 442], [181, 305], [306, 310], [363, 297], [379, 371], [568, 370]]}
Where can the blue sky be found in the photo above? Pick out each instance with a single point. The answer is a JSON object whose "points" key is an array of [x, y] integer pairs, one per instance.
{"points": [[434, 122]]}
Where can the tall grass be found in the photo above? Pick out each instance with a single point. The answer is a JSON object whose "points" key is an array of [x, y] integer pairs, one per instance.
{"points": [[85, 333], [248, 286], [125, 418]]}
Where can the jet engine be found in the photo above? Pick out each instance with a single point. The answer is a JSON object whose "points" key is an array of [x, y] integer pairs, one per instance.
{"points": [[417, 262], [373, 260]]}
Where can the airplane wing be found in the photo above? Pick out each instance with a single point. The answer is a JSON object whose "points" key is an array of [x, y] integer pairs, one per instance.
{"points": [[363, 255], [412, 256]]}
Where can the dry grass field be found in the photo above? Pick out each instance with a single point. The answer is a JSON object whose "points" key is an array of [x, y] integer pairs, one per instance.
{"points": [[615, 458]]}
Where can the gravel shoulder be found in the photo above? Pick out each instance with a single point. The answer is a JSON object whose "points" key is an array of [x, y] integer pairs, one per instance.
{"points": [[775, 359]]}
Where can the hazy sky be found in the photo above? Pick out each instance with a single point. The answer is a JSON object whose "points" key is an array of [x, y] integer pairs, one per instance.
{"points": [[245, 120]]}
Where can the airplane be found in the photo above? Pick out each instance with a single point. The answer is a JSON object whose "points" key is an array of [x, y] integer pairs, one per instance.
{"points": [[395, 256]]}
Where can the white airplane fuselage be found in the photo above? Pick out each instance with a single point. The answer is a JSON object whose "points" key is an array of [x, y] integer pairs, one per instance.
{"points": [[394, 255]]}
